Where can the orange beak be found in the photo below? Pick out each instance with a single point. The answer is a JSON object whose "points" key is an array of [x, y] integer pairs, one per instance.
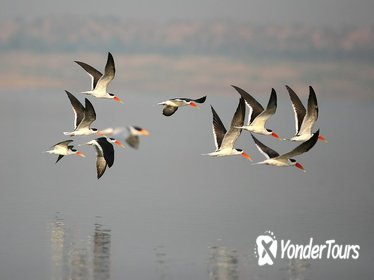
{"points": [[275, 135], [298, 165], [100, 133], [144, 132], [118, 143], [80, 154], [193, 104], [322, 138], [246, 156], [117, 99]]}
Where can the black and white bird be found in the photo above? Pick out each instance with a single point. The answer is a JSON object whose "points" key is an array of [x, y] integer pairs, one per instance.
{"points": [[100, 82], [134, 132], [273, 158], [104, 154], [258, 116], [64, 149], [225, 140], [304, 119], [83, 117], [172, 105]]}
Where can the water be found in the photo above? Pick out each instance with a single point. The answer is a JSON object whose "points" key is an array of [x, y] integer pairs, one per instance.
{"points": [[165, 211]]}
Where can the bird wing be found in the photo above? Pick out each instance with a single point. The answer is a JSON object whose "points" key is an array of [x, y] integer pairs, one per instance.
{"points": [[237, 121], [92, 72], [271, 108], [304, 147], [109, 73], [255, 108], [78, 109], [219, 129], [59, 157], [265, 150], [133, 141], [62, 144], [169, 110], [200, 100], [298, 109], [311, 115], [89, 115], [100, 166], [107, 149]]}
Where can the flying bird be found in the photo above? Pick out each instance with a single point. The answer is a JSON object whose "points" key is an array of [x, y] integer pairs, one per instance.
{"points": [[104, 154], [100, 82], [83, 116], [304, 119], [172, 105], [258, 116], [225, 140], [64, 149], [134, 132], [273, 158]]}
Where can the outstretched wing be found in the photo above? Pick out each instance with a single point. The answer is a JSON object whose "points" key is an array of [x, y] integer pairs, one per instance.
{"points": [[108, 74], [270, 110], [78, 109], [169, 110], [200, 100], [133, 141], [304, 147], [255, 108], [312, 113], [219, 129], [265, 150], [92, 72], [237, 121], [298, 109], [89, 114]]}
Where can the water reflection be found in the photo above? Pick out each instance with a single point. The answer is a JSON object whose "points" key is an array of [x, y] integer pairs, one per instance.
{"points": [[223, 264], [101, 251], [75, 258]]}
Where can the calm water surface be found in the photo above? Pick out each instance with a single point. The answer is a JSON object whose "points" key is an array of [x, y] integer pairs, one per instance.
{"points": [[165, 211]]}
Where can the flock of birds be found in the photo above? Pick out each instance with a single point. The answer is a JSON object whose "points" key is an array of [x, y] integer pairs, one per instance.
{"points": [[84, 116]]}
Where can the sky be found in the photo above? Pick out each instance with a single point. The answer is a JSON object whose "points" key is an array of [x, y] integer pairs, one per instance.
{"points": [[325, 12]]}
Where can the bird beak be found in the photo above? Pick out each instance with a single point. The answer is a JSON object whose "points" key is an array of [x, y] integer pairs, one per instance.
{"points": [[118, 143], [246, 156], [117, 99], [80, 154], [193, 104], [100, 133], [275, 136], [144, 132], [322, 138], [298, 165]]}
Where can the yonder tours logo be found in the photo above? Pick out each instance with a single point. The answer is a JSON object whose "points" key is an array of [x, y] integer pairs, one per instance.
{"points": [[266, 250]]}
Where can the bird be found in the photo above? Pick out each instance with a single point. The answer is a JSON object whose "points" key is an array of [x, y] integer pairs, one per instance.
{"points": [[257, 116], [134, 132], [64, 149], [172, 105], [225, 140], [273, 158], [100, 82], [84, 117], [104, 154], [304, 119]]}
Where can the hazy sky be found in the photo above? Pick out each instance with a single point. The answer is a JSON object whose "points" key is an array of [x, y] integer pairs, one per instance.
{"points": [[259, 11]]}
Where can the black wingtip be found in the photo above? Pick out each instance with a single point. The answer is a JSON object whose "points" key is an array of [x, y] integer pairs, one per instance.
{"points": [[201, 100]]}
